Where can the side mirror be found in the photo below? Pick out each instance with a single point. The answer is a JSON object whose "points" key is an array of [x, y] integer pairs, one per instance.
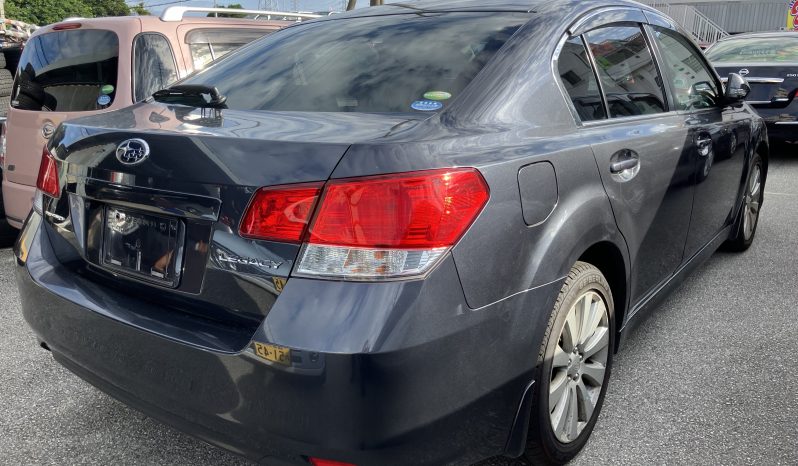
{"points": [[737, 89]]}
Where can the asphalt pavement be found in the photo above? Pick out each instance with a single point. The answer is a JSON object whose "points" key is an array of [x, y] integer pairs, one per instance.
{"points": [[708, 378]]}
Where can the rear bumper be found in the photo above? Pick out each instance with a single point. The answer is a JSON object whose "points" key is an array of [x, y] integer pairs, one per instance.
{"points": [[449, 398], [17, 199]]}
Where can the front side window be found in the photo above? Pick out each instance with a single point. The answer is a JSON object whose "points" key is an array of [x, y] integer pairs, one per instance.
{"points": [[692, 83], [580, 82], [394, 63], [67, 71], [153, 65], [629, 77], [782, 49]]}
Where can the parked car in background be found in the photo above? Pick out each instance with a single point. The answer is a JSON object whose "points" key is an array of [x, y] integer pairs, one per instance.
{"points": [[87, 66], [405, 235], [769, 62]]}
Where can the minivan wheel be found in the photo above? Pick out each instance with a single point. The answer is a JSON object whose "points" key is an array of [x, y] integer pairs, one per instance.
{"points": [[745, 226], [573, 367]]}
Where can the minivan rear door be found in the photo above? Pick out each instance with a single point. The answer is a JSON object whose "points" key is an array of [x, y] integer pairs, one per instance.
{"points": [[62, 74]]}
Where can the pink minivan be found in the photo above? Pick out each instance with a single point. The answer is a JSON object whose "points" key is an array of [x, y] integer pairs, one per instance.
{"points": [[85, 66]]}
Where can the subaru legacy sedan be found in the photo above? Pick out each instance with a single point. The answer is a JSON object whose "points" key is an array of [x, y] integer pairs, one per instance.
{"points": [[406, 235]]}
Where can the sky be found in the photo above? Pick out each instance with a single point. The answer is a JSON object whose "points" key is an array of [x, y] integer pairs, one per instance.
{"points": [[156, 6]]}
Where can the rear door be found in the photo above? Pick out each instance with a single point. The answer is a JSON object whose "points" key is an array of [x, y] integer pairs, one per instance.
{"points": [[718, 135], [639, 147]]}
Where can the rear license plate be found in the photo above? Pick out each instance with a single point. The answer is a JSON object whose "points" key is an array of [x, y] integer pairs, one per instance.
{"points": [[274, 353], [142, 245]]}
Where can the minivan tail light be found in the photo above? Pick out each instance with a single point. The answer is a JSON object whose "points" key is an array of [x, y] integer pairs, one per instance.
{"points": [[47, 181], [280, 213], [391, 226]]}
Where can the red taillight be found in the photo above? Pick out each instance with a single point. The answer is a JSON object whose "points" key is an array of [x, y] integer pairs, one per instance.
{"points": [[418, 210], [378, 227], [66, 26], [280, 213], [47, 182], [323, 462]]}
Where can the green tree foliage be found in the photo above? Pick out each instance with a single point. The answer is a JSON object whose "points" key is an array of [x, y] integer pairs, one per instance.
{"points": [[139, 9], [43, 12], [108, 7], [229, 15]]}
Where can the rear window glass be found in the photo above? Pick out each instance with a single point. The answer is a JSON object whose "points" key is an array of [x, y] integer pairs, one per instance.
{"points": [[67, 71], [759, 50], [397, 63], [208, 44]]}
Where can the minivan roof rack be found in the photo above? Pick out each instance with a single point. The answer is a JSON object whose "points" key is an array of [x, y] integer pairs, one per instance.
{"points": [[176, 13]]}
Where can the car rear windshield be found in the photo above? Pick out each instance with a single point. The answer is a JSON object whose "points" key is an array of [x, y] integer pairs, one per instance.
{"points": [[67, 71], [758, 50], [396, 63]]}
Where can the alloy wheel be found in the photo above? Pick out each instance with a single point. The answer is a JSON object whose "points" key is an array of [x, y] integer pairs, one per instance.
{"points": [[753, 198], [578, 366]]}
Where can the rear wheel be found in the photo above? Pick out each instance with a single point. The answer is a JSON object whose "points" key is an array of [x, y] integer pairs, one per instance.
{"points": [[745, 227], [573, 368]]}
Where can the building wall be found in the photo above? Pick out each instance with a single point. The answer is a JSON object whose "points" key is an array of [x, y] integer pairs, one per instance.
{"points": [[743, 16]]}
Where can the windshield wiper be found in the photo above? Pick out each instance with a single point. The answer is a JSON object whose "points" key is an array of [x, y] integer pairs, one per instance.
{"points": [[194, 95]]}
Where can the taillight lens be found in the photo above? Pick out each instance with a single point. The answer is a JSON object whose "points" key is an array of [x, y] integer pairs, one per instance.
{"points": [[2, 146], [380, 227], [323, 462], [391, 226], [47, 182], [280, 213]]}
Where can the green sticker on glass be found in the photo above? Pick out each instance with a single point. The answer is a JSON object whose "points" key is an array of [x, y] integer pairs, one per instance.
{"points": [[107, 89], [437, 95]]}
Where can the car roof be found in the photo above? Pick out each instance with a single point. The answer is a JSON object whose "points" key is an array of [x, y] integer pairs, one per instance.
{"points": [[760, 35], [148, 23]]}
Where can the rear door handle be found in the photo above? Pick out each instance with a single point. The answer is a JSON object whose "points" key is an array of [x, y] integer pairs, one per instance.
{"points": [[623, 165]]}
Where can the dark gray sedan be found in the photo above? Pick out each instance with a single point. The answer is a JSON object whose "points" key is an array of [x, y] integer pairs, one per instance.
{"points": [[407, 235]]}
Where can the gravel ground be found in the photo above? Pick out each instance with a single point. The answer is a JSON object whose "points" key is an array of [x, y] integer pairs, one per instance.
{"points": [[709, 378]]}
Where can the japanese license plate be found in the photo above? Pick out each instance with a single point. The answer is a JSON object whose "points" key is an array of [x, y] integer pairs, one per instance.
{"points": [[274, 353]]}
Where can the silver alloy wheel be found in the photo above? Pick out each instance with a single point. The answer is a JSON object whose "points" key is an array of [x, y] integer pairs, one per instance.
{"points": [[753, 197], [577, 370]]}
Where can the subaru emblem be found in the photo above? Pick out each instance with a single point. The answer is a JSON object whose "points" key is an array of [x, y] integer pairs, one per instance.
{"points": [[132, 151], [744, 72]]}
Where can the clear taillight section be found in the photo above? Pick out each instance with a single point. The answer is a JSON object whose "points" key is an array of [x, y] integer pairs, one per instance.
{"points": [[47, 181], [383, 227]]}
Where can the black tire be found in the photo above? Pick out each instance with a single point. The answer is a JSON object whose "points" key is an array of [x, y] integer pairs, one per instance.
{"points": [[742, 238], [4, 105], [2, 60], [543, 446], [6, 83]]}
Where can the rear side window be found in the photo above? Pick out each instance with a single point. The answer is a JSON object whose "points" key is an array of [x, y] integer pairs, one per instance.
{"points": [[692, 83], [67, 71], [153, 65], [394, 63], [579, 80], [628, 75], [207, 44]]}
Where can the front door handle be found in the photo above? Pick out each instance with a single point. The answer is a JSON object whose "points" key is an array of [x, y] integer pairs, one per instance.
{"points": [[623, 165], [704, 144]]}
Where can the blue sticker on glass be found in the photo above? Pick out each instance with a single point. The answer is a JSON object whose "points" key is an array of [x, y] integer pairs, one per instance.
{"points": [[104, 100], [426, 105]]}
